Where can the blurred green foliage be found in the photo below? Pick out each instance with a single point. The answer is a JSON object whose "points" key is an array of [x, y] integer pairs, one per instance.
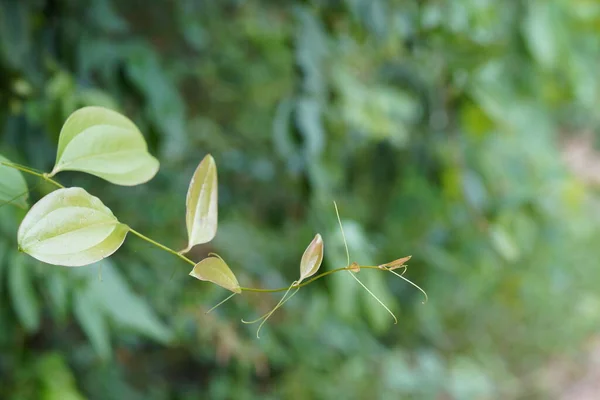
{"points": [[438, 126]]}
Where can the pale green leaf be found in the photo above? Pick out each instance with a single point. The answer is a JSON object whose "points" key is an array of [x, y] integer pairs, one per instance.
{"points": [[106, 144], [214, 269], [312, 258], [13, 188], [201, 204], [70, 227]]}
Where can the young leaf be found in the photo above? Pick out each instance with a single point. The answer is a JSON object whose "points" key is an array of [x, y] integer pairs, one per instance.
{"points": [[70, 227], [399, 263], [201, 204], [214, 269], [106, 144], [13, 188], [312, 258]]}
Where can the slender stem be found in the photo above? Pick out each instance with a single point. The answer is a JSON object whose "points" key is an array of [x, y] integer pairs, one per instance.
{"points": [[247, 289], [26, 167], [333, 271], [32, 172], [47, 178], [161, 246]]}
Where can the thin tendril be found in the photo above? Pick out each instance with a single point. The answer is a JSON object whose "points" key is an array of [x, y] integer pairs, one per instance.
{"points": [[375, 297], [221, 302], [265, 317], [402, 266], [337, 213], [415, 285], [269, 316]]}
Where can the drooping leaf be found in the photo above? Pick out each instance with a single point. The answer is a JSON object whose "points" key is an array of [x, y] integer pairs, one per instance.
{"points": [[113, 303], [58, 293], [201, 203], [13, 187], [312, 258], [94, 324], [22, 293], [106, 144], [70, 227], [214, 269], [117, 301]]}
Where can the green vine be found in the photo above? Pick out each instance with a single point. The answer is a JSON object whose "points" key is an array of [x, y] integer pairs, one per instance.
{"points": [[71, 211]]}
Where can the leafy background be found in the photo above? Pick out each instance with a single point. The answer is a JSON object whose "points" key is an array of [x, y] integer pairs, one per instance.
{"points": [[461, 132]]}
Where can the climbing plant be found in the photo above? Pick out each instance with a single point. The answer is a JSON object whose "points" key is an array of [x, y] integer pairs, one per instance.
{"points": [[72, 228]]}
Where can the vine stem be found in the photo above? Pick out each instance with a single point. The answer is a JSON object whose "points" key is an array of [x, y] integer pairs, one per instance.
{"points": [[161, 246], [22, 168], [248, 289], [333, 271]]}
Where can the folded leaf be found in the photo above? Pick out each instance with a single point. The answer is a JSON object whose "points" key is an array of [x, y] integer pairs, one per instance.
{"points": [[70, 227], [214, 269], [396, 263], [13, 188], [106, 144], [201, 204], [312, 258]]}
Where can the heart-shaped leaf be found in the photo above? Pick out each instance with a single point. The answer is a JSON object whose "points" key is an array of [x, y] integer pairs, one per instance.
{"points": [[312, 258], [13, 188], [214, 269], [70, 227], [201, 204], [106, 144]]}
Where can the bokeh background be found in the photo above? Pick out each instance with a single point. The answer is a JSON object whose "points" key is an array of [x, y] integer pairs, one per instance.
{"points": [[460, 132]]}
